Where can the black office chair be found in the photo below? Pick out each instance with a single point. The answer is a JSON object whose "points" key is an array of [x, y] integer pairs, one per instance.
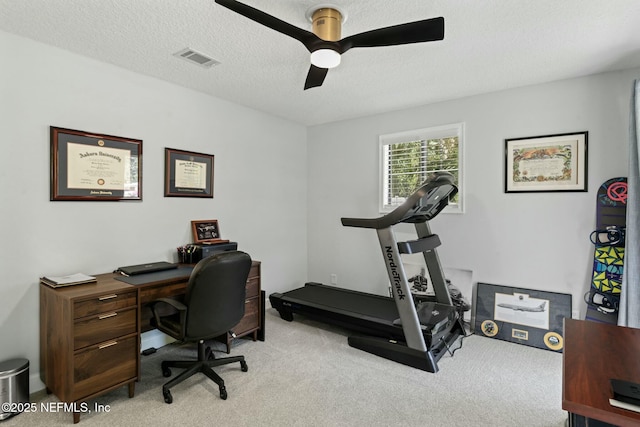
{"points": [[213, 304]]}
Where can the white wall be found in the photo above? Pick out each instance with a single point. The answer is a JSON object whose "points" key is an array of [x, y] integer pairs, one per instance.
{"points": [[260, 186], [280, 189], [532, 240]]}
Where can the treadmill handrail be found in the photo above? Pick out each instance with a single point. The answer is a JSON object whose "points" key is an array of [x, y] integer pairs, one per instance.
{"points": [[400, 214], [420, 245]]}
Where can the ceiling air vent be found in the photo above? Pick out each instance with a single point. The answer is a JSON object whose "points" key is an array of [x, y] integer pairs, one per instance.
{"points": [[196, 57]]}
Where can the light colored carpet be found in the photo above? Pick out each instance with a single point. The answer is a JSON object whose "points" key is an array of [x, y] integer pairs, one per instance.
{"points": [[305, 374]]}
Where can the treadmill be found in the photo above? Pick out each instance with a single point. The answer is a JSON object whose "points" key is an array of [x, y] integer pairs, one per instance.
{"points": [[412, 331]]}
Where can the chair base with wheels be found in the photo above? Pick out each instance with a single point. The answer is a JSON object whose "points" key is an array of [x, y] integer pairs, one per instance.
{"points": [[213, 305], [206, 361]]}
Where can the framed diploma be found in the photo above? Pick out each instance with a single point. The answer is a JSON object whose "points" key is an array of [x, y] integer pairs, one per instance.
{"points": [[546, 163], [89, 166], [188, 174]]}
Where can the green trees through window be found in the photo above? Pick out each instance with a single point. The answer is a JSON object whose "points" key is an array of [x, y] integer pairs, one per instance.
{"points": [[407, 164]]}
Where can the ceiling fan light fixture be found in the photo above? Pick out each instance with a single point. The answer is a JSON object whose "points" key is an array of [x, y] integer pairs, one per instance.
{"points": [[325, 58]]}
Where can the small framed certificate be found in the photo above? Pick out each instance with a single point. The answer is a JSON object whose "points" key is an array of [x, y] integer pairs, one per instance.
{"points": [[188, 174], [90, 166]]}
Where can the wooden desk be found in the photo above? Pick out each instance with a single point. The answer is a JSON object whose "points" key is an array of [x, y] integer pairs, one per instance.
{"points": [[593, 354], [90, 334]]}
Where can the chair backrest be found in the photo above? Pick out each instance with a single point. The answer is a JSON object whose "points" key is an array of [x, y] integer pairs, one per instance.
{"points": [[215, 296]]}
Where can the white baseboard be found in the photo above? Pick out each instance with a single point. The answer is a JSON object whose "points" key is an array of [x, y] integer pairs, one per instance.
{"points": [[36, 385]]}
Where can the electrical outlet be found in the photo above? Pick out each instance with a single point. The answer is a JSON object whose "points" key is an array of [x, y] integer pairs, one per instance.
{"points": [[334, 279], [575, 314]]}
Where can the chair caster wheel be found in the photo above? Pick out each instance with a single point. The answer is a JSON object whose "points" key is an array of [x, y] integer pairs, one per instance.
{"points": [[167, 396], [223, 393], [243, 366]]}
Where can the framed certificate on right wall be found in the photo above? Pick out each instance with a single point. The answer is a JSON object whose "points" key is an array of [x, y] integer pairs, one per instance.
{"points": [[546, 163]]}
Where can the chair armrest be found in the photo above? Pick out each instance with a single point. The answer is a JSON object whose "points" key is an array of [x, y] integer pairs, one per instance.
{"points": [[172, 302], [182, 309]]}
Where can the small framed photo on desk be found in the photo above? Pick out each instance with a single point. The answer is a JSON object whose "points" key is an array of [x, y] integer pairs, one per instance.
{"points": [[206, 231]]}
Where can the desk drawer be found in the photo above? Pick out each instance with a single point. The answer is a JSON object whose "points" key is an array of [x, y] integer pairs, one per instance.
{"points": [[104, 326], [253, 287], [255, 270], [251, 319], [153, 293], [104, 303], [104, 365]]}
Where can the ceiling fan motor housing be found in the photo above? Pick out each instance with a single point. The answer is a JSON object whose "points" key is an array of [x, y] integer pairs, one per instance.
{"points": [[327, 24]]}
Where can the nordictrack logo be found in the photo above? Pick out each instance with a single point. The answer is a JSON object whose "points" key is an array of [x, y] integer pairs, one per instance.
{"points": [[393, 267]]}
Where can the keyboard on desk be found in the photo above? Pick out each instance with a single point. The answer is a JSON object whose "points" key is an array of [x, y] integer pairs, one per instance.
{"points": [[151, 267]]}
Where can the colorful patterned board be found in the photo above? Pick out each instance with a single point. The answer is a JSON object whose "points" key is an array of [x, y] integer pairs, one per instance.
{"points": [[608, 263]]}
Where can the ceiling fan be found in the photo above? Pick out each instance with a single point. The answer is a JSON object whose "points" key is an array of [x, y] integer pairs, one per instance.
{"points": [[324, 42]]}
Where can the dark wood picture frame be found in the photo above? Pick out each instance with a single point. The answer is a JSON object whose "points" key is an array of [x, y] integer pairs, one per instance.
{"points": [[548, 163], [206, 231], [188, 174], [86, 166], [524, 316]]}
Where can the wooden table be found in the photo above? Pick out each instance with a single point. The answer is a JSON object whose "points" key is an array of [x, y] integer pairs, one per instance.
{"points": [[593, 354]]}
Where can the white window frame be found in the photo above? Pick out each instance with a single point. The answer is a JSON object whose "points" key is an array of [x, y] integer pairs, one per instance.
{"points": [[436, 132]]}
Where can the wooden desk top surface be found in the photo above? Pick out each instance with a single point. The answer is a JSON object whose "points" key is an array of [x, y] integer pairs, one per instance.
{"points": [[105, 283], [593, 354], [113, 282]]}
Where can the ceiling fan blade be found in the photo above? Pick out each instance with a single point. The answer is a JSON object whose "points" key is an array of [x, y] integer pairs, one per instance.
{"points": [[413, 32], [315, 77], [304, 36]]}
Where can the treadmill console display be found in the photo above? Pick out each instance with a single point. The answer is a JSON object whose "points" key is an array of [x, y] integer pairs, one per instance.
{"points": [[424, 204], [431, 204]]}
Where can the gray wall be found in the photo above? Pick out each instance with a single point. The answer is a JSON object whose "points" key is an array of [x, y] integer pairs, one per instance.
{"points": [[532, 240], [260, 168]]}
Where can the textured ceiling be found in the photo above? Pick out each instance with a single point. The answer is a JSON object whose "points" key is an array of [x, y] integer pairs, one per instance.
{"points": [[489, 45]]}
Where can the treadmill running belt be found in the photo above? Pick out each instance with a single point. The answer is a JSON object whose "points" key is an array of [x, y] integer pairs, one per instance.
{"points": [[343, 300]]}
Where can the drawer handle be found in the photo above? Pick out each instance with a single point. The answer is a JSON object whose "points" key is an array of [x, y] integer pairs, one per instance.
{"points": [[106, 297], [106, 316], [109, 344]]}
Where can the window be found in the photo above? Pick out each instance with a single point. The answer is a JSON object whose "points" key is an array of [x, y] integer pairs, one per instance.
{"points": [[408, 158]]}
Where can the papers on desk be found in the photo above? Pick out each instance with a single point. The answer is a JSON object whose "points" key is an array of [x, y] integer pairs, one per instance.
{"points": [[624, 405], [72, 279]]}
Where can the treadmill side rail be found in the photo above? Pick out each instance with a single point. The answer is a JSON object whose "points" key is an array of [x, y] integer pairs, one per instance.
{"points": [[395, 351]]}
